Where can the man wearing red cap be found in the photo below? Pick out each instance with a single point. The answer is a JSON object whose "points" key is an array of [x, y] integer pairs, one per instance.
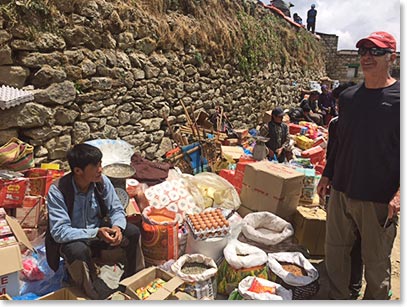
{"points": [[363, 173]]}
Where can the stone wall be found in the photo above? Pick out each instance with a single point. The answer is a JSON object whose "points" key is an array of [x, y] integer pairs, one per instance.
{"points": [[98, 79]]}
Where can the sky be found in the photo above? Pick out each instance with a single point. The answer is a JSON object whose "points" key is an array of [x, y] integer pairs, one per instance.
{"points": [[352, 20]]}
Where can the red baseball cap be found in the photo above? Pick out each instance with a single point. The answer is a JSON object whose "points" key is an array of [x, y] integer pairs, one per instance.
{"points": [[380, 39]]}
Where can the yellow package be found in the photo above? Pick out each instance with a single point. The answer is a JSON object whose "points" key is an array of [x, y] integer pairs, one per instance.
{"points": [[142, 293]]}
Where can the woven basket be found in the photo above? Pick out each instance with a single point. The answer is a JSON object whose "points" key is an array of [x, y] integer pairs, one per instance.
{"points": [[299, 292]]}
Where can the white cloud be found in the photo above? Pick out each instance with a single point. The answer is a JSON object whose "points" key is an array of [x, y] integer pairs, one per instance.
{"points": [[352, 20]]}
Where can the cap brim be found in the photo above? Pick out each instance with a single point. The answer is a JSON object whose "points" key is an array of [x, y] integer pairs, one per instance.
{"points": [[373, 41]]}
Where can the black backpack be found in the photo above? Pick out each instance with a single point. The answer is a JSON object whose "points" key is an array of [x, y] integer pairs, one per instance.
{"points": [[64, 184]]}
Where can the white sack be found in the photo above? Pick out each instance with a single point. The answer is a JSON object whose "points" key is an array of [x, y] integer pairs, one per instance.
{"points": [[266, 227], [177, 266], [241, 255], [295, 258]]}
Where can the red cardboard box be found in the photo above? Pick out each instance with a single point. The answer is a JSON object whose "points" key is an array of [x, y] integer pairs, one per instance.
{"points": [[294, 128], [41, 179], [12, 192], [315, 154], [29, 214]]}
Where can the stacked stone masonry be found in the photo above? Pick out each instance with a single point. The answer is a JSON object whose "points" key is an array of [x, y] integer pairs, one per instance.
{"points": [[102, 77]]}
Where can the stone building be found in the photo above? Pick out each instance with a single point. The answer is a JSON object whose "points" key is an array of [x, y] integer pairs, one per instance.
{"points": [[343, 65]]}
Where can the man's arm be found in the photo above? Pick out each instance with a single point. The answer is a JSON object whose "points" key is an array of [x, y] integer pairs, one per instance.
{"points": [[60, 222], [328, 173]]}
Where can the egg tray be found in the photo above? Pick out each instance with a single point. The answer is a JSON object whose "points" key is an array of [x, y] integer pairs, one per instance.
{"points": [[208, 224]]}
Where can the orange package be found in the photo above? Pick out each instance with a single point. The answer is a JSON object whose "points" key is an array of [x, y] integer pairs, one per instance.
{"points": [[257, 287]]}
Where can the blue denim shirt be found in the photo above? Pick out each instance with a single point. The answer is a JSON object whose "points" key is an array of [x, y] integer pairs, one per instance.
{"points": [[85, 216]]}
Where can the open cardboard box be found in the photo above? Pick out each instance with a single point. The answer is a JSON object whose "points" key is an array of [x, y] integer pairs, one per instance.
{"points": [[5, 297], [144, 277], [11, 259], [64, 294]]}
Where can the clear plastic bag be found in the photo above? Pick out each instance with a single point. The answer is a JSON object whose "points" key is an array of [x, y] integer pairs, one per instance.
{"points": [[216, 191]]}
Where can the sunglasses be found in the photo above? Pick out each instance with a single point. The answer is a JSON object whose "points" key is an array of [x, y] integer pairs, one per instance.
{"points": [[374, 51]]}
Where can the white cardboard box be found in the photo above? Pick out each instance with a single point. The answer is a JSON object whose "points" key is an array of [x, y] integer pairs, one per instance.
{"points": [[11, 260]]}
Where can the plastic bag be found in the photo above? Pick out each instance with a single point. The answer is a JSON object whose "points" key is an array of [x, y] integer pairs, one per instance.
{"points": [[241, 255], [114, 151], [266, 227], [281, 293], [216, 191], [52, 281], [31, 270]]}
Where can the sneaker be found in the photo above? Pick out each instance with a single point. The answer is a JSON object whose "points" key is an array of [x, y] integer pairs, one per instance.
{"points": [[354, 294]]}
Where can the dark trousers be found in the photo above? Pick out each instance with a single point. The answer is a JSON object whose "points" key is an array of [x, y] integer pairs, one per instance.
{"points": [[84, 250], [311, 27], [356, 271]]}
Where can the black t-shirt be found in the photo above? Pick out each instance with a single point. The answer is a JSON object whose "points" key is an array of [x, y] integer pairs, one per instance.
{"points": [[365, 160]]}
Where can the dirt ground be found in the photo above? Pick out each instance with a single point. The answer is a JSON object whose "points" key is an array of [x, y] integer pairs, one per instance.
{"points": [[395, 273]]}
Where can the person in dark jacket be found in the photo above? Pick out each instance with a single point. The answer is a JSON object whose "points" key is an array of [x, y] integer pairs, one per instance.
{"points": [[80, 227], [363, 173], [355, 284], [279, 142]]}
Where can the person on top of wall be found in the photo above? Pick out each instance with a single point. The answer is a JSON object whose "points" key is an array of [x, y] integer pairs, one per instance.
{"points": [[311, 18], [279, 142], [85, 218], [297, 19], [283, 6]]}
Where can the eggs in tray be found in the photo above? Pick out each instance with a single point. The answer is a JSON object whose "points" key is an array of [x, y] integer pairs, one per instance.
{"points": [[208, 224]]}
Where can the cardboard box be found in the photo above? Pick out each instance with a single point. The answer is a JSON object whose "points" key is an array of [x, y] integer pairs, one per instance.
{"points": [[133, 213], [5, 297], [144, 277], [271, 187], [34, 233], [241, 133], [29, 214], [119, 296], [11, 260], [41, 179], [243, 211], [235, 152], [64, 294], [12, 192], [309, 229]]}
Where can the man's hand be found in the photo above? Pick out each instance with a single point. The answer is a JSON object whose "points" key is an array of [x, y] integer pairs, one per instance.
{"points": [[279, 151], [106, 234], [394, 206], [323, 187], [117, 236]]}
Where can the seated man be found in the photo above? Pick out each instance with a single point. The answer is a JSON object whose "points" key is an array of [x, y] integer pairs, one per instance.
{"points": [[279, 143], [86, 218], [309, 106]]}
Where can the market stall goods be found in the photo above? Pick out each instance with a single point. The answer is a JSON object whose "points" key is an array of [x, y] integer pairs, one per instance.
{"points": [[208, 224]]}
